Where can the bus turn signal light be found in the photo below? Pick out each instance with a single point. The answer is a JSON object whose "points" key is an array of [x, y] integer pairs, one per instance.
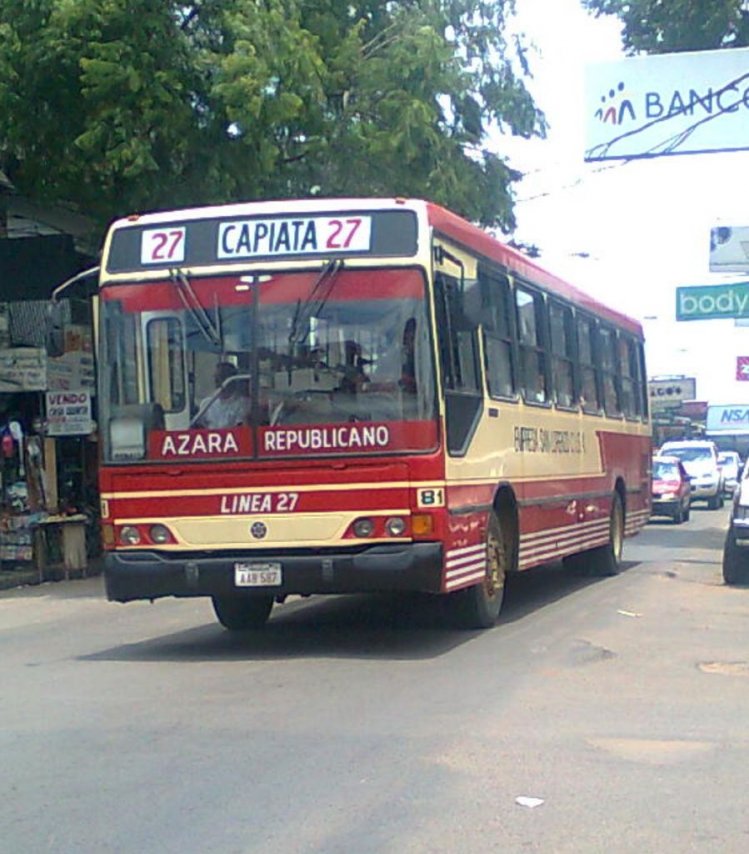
{"points": [[107, 535], [422, 525]]}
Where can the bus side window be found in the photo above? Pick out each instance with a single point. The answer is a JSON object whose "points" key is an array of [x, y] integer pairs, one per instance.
{"points": [[643, 386], [609, 372], [530, 314], [562, 353], [461, 370], [496, 311], [586, 342], [628, 369], [458, 340]]}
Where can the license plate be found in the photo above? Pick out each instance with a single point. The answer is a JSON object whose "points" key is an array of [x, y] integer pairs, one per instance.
{"points": [[257, 574]]}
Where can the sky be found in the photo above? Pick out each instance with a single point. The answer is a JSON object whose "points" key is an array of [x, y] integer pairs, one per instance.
{"points": [[628, 233]]}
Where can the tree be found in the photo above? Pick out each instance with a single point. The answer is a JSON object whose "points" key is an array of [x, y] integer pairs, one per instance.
{"points": [[652, 26], [127, 105]]}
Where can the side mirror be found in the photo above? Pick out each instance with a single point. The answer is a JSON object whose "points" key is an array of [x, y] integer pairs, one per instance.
{"points": [[55, 329]]}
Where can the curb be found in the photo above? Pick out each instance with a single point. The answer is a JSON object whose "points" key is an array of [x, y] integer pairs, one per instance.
{"points": [[24, 576]]}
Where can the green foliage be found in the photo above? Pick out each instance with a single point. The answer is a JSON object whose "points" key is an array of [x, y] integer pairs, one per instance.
{"points": [[127, 105], [654, 26]]}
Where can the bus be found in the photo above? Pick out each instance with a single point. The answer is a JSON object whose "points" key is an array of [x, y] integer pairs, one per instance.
{"points": [[331, 396]]}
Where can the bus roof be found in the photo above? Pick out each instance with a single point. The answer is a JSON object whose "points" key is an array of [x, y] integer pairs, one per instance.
{"points": [[461, 231]]}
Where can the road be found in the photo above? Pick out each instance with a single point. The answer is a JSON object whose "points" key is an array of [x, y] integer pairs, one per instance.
{"points": [[358, 724]]}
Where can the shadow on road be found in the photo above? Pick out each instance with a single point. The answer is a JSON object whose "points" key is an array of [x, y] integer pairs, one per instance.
{"points": [[392, 627]]}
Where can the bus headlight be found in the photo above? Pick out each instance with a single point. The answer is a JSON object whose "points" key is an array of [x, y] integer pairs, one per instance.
{"points": [[130, 535], [396, 527], [363, 527], [159, 534]]}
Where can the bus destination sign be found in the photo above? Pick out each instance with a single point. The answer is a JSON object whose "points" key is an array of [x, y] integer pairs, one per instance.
{"points": [[249, 238], [267, 238]]}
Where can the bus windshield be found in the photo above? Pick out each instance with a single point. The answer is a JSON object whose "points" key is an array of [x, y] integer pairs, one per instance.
{"points": [[248, 354]]}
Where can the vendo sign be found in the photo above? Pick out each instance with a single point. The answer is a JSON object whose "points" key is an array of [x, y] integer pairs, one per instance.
{"points": [[69, 413]]}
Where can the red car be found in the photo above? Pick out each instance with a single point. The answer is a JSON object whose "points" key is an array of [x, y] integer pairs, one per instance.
{"points": [[671, 489]]}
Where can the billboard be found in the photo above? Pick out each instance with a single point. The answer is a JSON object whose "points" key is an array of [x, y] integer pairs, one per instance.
{"points": [[731, 418], [671, 103], [669, 393], [729, 249], [712, 302]]}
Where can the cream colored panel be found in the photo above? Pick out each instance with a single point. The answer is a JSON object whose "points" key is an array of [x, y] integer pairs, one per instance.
{"points": [[310, 529], [528, 442]]}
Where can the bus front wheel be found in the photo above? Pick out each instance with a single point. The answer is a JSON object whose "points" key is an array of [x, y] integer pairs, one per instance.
{"points": [[242, 614], [478, 607]]}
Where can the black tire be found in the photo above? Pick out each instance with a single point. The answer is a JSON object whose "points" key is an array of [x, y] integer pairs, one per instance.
{"points": [[735, 563], [607, 560], [687, 511], [242, 613], [678, 516], [721, 500], [713, 503], [478, 607]]}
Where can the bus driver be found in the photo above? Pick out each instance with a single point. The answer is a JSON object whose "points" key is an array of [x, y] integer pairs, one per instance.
{"points": [[230, 406]]}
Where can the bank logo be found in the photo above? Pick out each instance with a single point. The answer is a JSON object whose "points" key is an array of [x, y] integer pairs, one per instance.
{"points": [[742, 368], [615, 106]]}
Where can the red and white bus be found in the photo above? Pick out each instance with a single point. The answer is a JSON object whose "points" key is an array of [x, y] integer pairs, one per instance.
{"points": [[350, 395]]}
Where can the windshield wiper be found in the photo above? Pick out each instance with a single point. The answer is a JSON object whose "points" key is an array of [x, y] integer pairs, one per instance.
{"points": [[206, 325], [307, 309]]}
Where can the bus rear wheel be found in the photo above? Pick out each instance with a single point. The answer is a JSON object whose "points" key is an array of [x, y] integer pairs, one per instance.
{"points": [[607, 560], [242, 614], [602, 560], [478, 607]]}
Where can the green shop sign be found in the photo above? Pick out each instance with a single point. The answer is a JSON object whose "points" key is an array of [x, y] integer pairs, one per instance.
{"points": [[707, 302]]}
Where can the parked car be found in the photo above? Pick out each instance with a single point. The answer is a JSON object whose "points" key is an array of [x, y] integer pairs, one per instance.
{"points": [[730, 462], [736, 548], [671, 490], [700, 459]]}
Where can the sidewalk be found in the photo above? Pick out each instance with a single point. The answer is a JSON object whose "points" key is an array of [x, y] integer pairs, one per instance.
{"points": [[24, 575]]}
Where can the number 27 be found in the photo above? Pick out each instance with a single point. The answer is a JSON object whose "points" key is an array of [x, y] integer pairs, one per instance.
{"points": [[159, 246], [338, 241], [165, 243]]}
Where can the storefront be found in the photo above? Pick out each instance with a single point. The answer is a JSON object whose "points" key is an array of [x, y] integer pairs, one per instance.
{"points": [[48, 441]]}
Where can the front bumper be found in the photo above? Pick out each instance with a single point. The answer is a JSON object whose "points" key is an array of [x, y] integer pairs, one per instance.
{"points": [[706, 490], [131, 575]]}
